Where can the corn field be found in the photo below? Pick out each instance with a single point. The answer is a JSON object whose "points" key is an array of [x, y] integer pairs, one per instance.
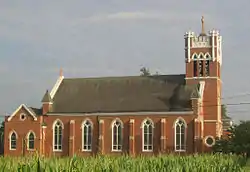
{"points": [[192, 163]]}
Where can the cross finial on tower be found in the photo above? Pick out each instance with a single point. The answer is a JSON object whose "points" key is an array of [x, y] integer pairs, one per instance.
{"points": [[61, 72], [202, 26]]}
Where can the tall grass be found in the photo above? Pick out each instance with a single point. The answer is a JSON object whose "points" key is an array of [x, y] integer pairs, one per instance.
{"points": [[194, 163]]}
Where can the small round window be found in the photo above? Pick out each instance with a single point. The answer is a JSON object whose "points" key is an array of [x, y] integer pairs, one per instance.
{"points": [[209, 141], [22, 116]]}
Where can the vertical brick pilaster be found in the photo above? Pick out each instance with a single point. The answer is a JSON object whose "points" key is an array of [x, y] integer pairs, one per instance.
{"points": [[101, 136], [43, 135], [132, 137], [196, 135], [163, 135], [72, 137], [202, 136]]}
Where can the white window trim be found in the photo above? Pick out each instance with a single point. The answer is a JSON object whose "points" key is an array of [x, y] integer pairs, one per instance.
{"points": [[20, 117], [205, 140], [13, 131], [112, 128], [142, 127], [82, 127], [185, 136], [201, 56], [53, 127], [28, 139]]}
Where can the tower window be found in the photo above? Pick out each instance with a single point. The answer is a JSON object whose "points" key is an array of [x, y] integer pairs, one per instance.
{"points": [[200, 68], [195, 68], [207, 67]]}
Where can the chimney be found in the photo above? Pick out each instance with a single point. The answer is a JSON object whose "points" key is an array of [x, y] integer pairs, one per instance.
{"points": [[47, 103]]}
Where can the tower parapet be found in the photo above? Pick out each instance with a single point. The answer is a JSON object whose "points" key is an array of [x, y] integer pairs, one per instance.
{"points": [[211, 41]]}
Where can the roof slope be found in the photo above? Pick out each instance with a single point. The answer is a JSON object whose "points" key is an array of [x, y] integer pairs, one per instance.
{"points": [[46, 98], [123, 94]]}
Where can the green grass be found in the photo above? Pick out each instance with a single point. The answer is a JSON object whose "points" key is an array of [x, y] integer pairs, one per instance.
{"points": [[192, 163]]}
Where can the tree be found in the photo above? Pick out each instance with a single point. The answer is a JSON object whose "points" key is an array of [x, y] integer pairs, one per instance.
{"points": [[146, 72], [238, 140], [1, 137], [224, 111]]}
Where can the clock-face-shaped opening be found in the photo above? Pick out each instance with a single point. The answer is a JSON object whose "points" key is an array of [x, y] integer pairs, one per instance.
{"points": [[209, 141]]}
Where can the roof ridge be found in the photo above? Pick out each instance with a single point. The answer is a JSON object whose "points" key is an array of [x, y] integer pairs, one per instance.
{"points": [[122, 76]]}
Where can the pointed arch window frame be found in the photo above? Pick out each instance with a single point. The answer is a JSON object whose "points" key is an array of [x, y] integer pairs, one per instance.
{"points": [[11, 141], [185, 135], [28, 140], [89, 145], [118, 146], [150, 146], [201, 56], [58, 147]]}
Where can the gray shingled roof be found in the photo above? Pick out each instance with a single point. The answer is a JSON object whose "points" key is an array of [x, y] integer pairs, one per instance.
{"points": [[123, 94], [37, 111], [46, 98]]}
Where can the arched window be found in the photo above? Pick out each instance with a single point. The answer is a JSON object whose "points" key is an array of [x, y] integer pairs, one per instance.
{"points": [[201, 56], [13, 141], [200, 68], [207, 71], [195, 56], [117, 135], [180, 135], [87, 135], [31, 141], [195, 69], [57, 135], [208, 56], [147, 138]]}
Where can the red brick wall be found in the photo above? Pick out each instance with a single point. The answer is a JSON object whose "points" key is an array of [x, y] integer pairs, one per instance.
{"points": [[22, 128], [78, 120]]}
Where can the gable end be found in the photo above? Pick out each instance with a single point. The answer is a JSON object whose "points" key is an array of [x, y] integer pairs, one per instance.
{"points": [[26, 108]]}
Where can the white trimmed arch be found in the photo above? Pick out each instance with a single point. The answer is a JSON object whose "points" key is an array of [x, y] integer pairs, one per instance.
{"points": [[117, 134], [58, 128], [195, 56], [13, 131], [87, 134], [180, 133], [55, 122], [201, 56], [145, 120], [147, 127], [117, 120], [13, 140], [180, 119], [30, 131], [87, 120], [208, 56], [31, 136]]}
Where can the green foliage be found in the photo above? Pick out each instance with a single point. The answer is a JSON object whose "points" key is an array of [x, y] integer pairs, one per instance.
{"points": [[223, 110], [146, 72], [1, 137], [192, 163], [237, 141]]}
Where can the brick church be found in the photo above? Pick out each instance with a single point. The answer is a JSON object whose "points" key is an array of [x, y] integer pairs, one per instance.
{"points": [[127, 115]]}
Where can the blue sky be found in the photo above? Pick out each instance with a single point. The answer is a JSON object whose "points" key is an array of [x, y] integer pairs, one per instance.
{"points": [[114, 37]]}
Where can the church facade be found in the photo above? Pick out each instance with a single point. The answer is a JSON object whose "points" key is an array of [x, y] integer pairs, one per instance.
{"points": [[135, 115]]}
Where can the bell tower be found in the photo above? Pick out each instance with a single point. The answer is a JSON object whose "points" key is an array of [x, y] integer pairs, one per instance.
{"points": [[203, 58]]}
